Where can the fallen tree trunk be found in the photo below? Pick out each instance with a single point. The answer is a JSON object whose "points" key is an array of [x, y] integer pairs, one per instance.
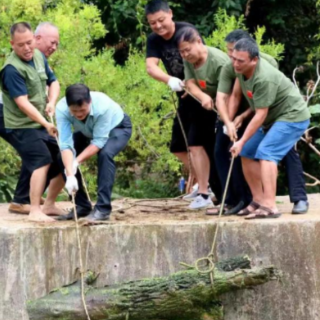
{"points": [[185, 295]]}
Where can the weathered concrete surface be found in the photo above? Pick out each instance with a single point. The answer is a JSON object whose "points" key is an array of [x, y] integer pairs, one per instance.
{"points": [[34, 259]]}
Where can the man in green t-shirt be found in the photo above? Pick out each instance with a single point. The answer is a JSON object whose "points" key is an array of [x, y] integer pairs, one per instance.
{"points": [[280, 118], [202, 67], [241, 115]]}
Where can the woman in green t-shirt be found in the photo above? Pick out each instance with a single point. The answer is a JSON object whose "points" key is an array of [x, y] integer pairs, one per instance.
{"points": [[202, 67]]}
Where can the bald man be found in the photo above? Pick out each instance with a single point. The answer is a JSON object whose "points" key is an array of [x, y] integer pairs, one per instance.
{"points": [[47, 41]]}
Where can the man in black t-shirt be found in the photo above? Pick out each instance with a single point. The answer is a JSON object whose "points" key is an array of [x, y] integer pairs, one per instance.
{"points": [[161, 45]]}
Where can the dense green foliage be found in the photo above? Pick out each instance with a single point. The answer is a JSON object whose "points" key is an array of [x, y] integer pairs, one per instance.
{"points": [[87, 54]]}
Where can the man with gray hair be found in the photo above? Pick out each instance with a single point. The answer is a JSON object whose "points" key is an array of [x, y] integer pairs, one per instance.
{"points": [[47, 38], [280, 118]]}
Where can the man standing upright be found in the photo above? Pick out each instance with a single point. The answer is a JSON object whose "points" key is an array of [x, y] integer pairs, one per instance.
{"points": [[47, 41], [161, 45], [24, 79]]}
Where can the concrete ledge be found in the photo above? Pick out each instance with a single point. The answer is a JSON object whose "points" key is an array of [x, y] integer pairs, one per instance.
{"points": [[34, 259]]}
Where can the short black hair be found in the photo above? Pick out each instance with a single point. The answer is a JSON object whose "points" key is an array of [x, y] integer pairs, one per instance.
{"points": [[248, 45], [77, 94], [187, 34], [156, 6], [19, 27], [237, 35]]}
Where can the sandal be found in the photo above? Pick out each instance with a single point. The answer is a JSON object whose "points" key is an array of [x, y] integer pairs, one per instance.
{"points": [[246, 211], [216, 210], [234, 209], [264, 213]]}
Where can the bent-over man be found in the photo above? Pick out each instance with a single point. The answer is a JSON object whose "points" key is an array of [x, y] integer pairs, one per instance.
{"points": [[91, 123], [280, 118], [241, 116], [202, 66]]}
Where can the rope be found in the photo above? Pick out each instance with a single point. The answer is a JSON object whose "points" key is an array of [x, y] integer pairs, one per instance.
{"points": [[80, 259], [209, 259], [195, 98], [81, 175], [183, 133], [78, 238], [210, 256]]}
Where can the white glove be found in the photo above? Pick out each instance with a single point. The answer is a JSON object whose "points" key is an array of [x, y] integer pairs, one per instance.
{"points": [[75, 165], [71, 184], [175, 84]]}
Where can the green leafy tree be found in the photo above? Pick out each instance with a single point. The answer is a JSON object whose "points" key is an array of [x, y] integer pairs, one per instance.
{"points": [[225, 24], [79, 25], [148, 102]]}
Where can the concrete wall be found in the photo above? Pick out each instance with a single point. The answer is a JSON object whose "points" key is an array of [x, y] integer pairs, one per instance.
{"points": [[34, 261]]}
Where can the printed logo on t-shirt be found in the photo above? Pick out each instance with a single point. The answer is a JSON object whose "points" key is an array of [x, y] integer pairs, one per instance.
{"points": [[173, 62], [41, 70], [249, 94], [202, 84]]}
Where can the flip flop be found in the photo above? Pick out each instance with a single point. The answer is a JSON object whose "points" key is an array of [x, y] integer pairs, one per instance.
{"points": [[246, 211], [216, 210], [263, 213]]}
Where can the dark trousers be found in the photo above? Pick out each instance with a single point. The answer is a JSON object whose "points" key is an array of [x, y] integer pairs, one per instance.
{"points": [[21, 194], [117, 141], [238, 188], [296, 181]]}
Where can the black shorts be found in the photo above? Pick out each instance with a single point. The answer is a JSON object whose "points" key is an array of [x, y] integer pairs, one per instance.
{"points": [[36, 149], [198, 124]]}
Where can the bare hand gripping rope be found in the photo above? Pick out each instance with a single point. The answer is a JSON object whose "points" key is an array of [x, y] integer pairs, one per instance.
{"points": [[195, 98]]}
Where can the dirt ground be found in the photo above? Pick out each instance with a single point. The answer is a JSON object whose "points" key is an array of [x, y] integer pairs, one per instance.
{"points": [[161, 211]]}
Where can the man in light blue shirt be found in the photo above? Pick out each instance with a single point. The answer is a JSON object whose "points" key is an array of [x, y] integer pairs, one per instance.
{"points": [[91, 123]]}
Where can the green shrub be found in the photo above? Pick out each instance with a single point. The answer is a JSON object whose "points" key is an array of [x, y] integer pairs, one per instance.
{"points": [[225, 24], [145, 100]]}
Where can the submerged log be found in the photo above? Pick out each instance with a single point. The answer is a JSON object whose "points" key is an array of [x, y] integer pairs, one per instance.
{"points": [[186, 295]]}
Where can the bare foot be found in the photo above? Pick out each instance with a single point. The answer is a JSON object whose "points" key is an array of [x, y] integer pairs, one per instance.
{"points": [[52, 210], [39, 216]]}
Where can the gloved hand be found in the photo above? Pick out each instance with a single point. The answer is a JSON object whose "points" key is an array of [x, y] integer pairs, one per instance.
{"points": [[75, 166], [71, 184], [175, 84]]}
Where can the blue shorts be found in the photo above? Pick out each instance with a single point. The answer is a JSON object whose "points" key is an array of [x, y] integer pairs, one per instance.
{"points": [[276, 142]]}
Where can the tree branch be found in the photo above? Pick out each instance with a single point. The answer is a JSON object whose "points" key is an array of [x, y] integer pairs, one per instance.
{"points": [[309, 96]]}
